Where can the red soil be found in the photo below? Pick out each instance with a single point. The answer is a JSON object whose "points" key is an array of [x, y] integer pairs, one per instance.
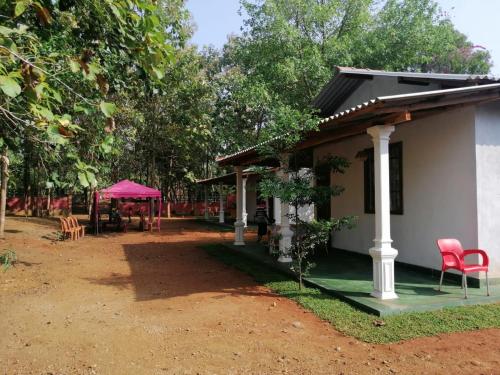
{"points": [[141, 303]]}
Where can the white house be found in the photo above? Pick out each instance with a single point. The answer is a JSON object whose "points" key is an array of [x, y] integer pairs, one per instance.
{"points": [[425, 164]]}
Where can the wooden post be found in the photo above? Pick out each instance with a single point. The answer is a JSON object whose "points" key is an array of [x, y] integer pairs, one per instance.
{"points": [[221, 204], [206, 201]]}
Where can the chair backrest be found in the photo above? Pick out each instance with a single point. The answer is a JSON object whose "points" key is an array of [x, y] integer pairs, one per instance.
{"points": [[450, 245], [73, 220], [64, 224]]}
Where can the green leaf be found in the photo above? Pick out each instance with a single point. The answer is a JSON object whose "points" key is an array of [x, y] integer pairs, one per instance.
{"points": [[91, 179], [54, 135], [74, 66], [107, 144], [107, 108], [20, 7], [82, 177], [116, 12], [81, 108], [9, 86], [5, 31], [46, 113], [159, 73], [57, 96]]}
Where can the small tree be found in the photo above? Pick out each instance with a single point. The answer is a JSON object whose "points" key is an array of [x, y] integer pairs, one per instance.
{"points": [[299, 190]]}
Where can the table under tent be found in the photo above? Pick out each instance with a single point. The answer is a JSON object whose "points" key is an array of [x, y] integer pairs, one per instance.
{"points": [[126, 189]]}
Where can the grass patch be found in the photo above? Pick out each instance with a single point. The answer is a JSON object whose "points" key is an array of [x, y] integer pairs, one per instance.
{"points": [[354, 322]]}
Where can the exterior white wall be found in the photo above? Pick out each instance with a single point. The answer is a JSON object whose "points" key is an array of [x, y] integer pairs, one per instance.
{"points": [[488, 182], [306, 212], [439, 188], [382, 86], [251, 197]]}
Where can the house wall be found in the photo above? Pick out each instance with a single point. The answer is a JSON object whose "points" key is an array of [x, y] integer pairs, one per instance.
{"points": [[382, 86], [488, 182], [439, 193], [251, 196]]}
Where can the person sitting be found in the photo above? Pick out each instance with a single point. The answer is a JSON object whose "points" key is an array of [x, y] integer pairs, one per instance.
{"points": [[261, 219]]}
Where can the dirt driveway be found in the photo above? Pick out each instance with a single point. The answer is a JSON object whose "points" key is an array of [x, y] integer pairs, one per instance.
{"points": [[140, 303]]}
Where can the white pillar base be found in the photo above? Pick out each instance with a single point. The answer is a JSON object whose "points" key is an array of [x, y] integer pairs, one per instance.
{"points": [[285, 245], [383, 272], [239, 239], [221, 216]]}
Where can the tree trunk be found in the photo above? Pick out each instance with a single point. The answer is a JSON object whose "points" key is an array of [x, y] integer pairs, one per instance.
{"points": [[27, 177], [48, 202], [3, 191]]}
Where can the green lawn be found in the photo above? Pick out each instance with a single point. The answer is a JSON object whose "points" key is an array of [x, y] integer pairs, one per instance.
{"points": [[356, 323]]}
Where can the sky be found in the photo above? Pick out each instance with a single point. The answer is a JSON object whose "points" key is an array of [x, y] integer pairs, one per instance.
{"points": [[478, 19]]}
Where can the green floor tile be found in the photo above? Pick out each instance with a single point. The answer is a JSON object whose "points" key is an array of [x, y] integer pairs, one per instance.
{"points": [[348, 276]]}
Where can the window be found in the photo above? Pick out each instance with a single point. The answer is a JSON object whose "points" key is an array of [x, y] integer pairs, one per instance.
{"points": [[395, 177]]}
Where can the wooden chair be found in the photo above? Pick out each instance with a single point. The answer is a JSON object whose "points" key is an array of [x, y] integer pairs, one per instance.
{"points": [[67, 230], [80, 229]]}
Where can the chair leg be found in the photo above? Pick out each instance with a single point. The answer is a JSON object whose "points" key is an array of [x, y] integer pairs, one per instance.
{"points": [[441, 280], [465, 284], [487, 285]]}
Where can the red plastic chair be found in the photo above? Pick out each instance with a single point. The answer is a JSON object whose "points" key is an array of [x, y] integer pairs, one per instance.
{"points": [[454, 258]]}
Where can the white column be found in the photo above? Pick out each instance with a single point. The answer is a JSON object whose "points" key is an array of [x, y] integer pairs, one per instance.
{"points": [[244, 213], [382, 252], [238, 225], [221, 204], [206, 201], [277, 210], [285, 231]]}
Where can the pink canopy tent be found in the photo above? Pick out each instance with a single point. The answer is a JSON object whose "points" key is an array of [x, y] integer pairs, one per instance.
{"points": [[127, 189]]}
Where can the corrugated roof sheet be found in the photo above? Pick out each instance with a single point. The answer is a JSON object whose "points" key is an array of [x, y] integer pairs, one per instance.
{"points": [[433, 76], [402, 97], [347, 80], [384, 102]]}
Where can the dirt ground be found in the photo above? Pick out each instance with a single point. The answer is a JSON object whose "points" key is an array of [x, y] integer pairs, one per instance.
{"points": [[141, 303]]}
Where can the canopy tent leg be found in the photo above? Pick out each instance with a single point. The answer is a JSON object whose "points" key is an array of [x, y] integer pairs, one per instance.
{"points": [[159, 213]]}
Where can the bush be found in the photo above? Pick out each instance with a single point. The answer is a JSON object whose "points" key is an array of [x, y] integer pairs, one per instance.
{"points": [[7, 259]]}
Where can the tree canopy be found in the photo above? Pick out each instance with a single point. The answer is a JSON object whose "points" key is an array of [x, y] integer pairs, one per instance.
{"points": [[289, 48], [95, 91]]}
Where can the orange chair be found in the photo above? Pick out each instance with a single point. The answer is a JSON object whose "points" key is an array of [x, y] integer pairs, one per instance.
{"points": [[80, 229], [67, 230], [454, 258]]}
